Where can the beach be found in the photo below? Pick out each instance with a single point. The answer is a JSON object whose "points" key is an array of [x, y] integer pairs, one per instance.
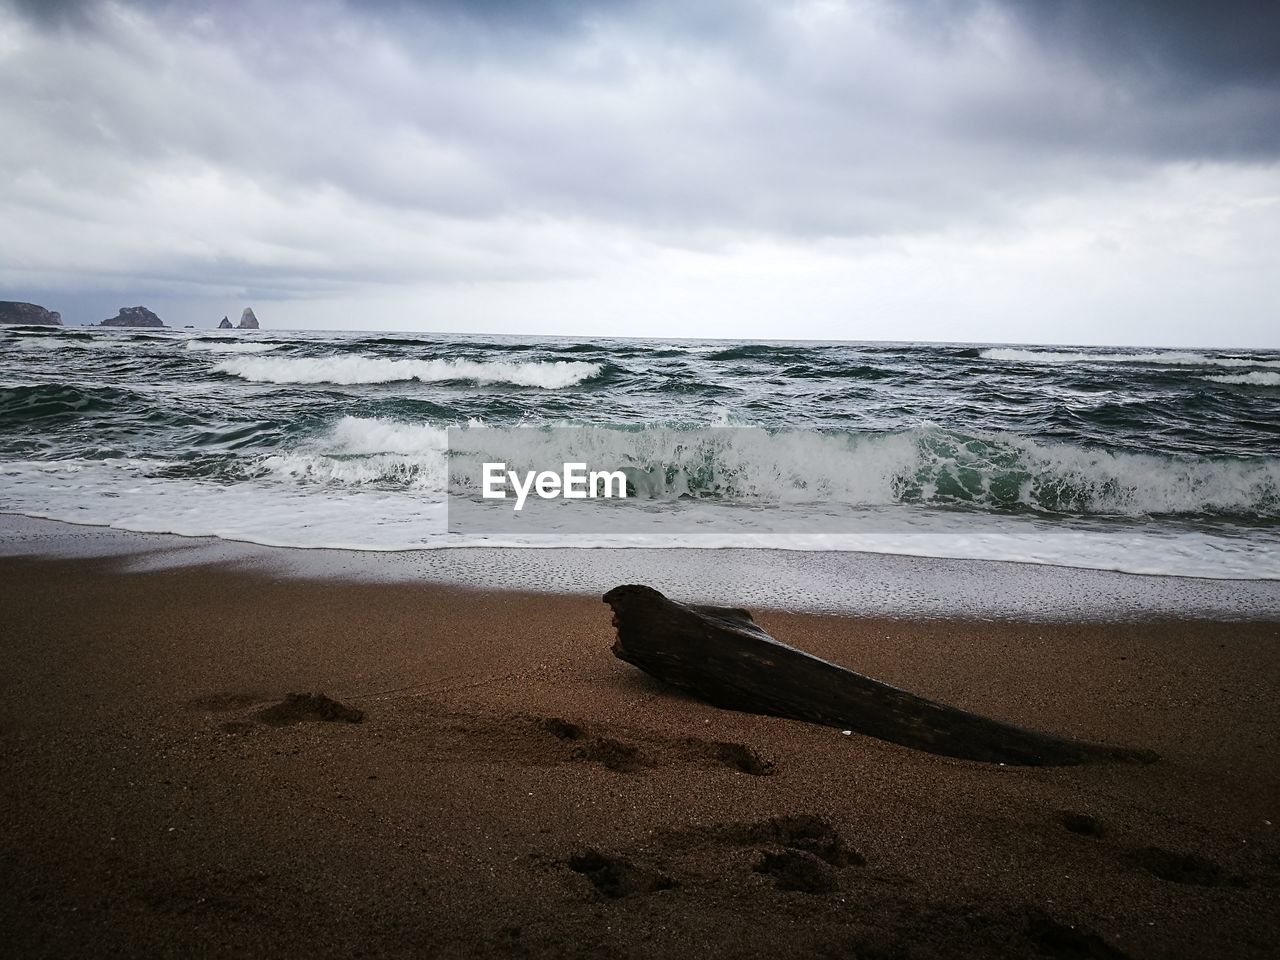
{"points": [[513, 789], [786, 480]]}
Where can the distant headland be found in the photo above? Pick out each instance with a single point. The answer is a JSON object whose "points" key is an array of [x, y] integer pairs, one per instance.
{"points": [[32, 314], [15, 311]]}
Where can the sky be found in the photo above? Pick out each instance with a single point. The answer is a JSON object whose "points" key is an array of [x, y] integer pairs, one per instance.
{"points": [[1065, 171]]}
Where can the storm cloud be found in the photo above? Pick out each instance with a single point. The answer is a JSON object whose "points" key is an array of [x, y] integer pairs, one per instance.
{"points": [[458, 155]]}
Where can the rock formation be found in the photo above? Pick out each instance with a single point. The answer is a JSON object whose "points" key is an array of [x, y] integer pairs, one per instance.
{"points": [[247, 320], [225, 324], [15, 311], [134, 317]]}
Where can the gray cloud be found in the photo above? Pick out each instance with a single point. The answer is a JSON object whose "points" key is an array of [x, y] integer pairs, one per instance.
{"points": [[1199, 43], [49, 13], [321, 146]]}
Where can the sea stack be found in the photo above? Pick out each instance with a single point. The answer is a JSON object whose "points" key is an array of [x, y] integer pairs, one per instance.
{"points": [[225, 324], [247, 320], [134, 317], [15, 311]]}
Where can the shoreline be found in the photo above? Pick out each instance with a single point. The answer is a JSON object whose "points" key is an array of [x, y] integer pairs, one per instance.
{"points": [[513, 789], [840, 583]]}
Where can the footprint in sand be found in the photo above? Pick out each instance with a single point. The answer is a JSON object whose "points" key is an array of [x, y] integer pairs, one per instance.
{"points": [[802, 853], [294, 708], [624, 757], [613, 754], [1081, 824], [614, 876], [800, 871], [1054, 939], [1183, 868], [803, 832], [735, 755], [224, 702], [305, 707]]}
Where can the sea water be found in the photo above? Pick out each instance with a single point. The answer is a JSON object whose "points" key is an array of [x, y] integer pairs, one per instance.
{"points": [[1140, 460]]}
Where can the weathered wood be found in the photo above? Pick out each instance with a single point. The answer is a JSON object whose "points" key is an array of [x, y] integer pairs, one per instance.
{"points": [[719, 655]]}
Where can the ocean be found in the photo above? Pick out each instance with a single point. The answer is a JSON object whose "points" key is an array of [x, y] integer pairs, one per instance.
{"points": [[1148, 461]]}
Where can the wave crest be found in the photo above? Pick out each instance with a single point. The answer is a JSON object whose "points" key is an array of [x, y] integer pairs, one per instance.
{"points": [[355, 369], [1175, 358], [217, 346], [1257, 379], [927, 466], [362, 451]]}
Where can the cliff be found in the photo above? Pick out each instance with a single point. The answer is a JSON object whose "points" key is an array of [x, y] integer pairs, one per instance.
{"points": [[15, 311]]}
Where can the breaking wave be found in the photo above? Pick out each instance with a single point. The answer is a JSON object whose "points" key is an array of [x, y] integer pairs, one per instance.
{"points": [[548, 375], [368, 450], [1257, 379], [1162, 358], [926, 466], [1082, 455]]}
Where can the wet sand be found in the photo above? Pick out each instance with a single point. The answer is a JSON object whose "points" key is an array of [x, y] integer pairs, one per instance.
{"points": [[514, 790]]}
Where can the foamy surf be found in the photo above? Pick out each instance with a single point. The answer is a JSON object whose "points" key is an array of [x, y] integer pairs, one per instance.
{"points": [[351, 370], [793, 469], [129, 495], [1137, 462], [368, 451], [1161, 358], [1256, 379], [215, 346], [368, 435]]}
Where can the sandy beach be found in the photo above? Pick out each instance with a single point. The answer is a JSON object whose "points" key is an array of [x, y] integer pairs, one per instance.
{"points": [[639, 481], [514, 790]]}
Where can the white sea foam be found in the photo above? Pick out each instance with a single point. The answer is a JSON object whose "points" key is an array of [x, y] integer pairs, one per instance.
{"points": [[355, 369], [214, 346], [1257, 379], [926, 466], [748, 466], [1162, 358], [361, 451], [396, 471], [365, 435], [128, 495], [56, 342], [384, 483]]}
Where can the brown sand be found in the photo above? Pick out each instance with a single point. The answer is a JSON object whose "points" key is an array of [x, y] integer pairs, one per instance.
{"points": [[513, 790]]}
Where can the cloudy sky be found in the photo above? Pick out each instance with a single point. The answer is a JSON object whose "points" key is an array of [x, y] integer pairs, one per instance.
{"points": [[1091, 172]]}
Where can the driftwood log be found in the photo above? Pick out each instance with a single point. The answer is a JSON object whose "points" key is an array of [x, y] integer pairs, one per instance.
{"points": [[719, 655]]}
